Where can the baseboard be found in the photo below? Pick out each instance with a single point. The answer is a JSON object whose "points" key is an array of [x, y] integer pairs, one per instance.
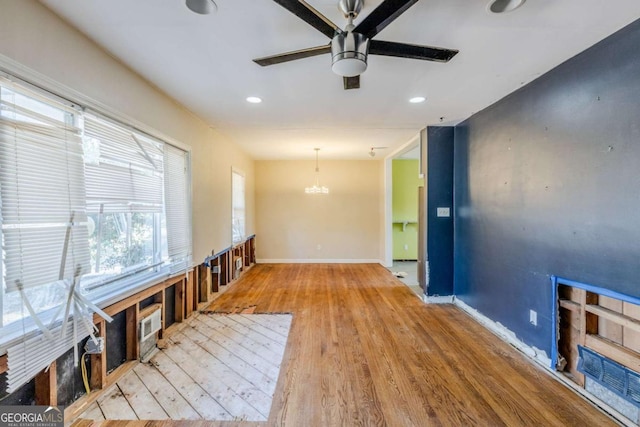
{"points": [[540, 356], [319, 261], [448, 299]]}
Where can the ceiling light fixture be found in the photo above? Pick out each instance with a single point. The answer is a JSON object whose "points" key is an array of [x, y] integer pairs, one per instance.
{"points": [[254, 100], [503, 6], [417, 99], [349, 50], [316, 188], [372, 153], [202, 7]]}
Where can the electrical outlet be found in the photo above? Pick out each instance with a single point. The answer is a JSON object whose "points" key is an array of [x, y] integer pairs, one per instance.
{"points": [[319, 247], [533, 317], [94, 347], [406, 247]]}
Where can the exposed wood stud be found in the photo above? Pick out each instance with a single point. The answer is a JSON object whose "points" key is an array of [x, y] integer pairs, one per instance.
{"points": [[204, 279], [99, 361], [607, 328], [189, 299], [46, 386], [133, 344], [160, 298], [179, 301]]}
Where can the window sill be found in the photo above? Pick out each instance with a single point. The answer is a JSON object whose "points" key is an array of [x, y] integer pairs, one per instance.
{"points": [[20, 330]]}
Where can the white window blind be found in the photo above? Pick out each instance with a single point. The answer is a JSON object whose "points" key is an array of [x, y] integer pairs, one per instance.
{"points": [[238, 203], [123, 168], [44, 224], [90, 209], [177, 202]]}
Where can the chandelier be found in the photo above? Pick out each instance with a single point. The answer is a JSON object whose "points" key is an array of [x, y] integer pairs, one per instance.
{"points": [[316, 188]]}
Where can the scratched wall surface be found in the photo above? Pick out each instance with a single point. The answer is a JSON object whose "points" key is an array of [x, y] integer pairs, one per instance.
{"points": [[547, 182]]}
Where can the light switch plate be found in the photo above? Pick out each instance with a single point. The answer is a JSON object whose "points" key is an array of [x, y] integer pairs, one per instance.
{"points": [[443, 212]]}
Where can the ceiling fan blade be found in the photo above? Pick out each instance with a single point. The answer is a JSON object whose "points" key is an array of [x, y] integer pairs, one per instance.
{"points": [[351, 82], [293, 55], [382, 16], [404, 50], [304, 11]]}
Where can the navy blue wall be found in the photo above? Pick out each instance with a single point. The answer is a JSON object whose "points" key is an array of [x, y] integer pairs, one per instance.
{"points": [[547, 182], [440, 143]]}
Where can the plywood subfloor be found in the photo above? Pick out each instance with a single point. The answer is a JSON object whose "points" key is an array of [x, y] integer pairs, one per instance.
{"points": [[217, 368], [364, 351]]}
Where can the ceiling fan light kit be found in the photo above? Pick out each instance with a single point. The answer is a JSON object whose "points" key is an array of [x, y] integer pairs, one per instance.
{"points": [[349, 51], [350, 47]]}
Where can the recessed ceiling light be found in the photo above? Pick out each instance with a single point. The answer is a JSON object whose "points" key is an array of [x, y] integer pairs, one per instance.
{"points": [[417, 99], [503, 6], [254, 99], [202, 7]]}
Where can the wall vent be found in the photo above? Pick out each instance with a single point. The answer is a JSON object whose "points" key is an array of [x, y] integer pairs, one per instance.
{"points": [[149, 325], [617, 378]]}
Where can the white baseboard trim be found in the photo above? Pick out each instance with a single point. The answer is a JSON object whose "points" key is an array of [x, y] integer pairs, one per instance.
{"points": [[447, 299], [318, 261], [507, 335]]}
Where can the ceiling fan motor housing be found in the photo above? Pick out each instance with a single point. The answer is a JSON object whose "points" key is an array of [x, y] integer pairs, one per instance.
{"points": [[349, 54]]}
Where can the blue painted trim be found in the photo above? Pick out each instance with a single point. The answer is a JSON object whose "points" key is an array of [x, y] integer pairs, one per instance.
{"points": [[555, 281], [554, 322], [599, 290]]}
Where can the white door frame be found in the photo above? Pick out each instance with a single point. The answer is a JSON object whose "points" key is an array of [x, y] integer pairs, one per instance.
{"points": [[388, 196]]}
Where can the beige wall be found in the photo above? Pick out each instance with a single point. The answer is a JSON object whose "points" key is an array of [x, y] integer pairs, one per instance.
{"points": [[36, 42], [345, 223]]}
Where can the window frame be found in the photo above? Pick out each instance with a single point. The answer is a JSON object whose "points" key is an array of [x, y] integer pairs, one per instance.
{"points": [[243, 236], [127, 286]]}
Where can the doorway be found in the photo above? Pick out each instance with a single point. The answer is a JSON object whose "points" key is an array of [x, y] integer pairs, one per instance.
{"points": [[405, 182]]}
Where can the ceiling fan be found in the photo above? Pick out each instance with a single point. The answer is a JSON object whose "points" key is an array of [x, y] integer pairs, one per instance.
{"points": [[349, 47]]}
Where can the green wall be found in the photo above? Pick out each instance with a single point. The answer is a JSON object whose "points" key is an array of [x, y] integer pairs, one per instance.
{"points": [[405, 208]]}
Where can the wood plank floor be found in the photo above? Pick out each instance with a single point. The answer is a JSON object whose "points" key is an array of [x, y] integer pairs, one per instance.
{"points": [[363, 350], [216, 367]]}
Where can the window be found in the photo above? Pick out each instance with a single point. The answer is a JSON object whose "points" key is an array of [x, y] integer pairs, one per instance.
{"points": [[84, 201], [237, 203], [124, 178], [178, 199]]}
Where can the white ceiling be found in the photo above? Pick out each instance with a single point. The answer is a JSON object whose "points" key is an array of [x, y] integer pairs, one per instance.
{"points": [[205, 62]]}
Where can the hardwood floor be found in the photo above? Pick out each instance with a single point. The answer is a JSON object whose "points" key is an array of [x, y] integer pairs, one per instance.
{"points": [[363, 350]]}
